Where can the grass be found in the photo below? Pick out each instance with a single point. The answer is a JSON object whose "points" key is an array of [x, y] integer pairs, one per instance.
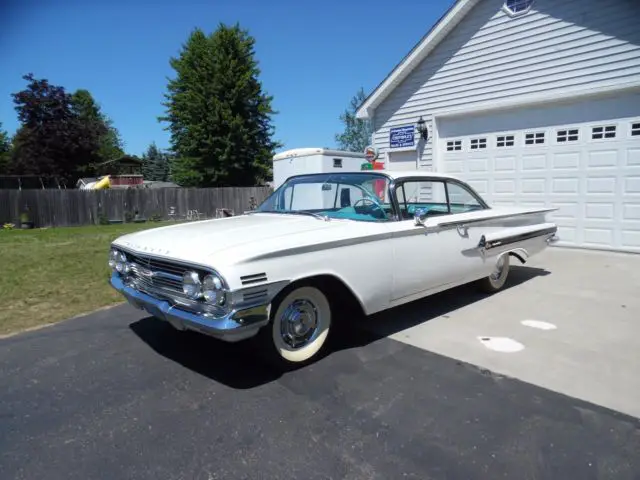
{"points": [[48, 275]]}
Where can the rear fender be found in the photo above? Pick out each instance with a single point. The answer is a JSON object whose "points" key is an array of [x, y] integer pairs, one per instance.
{"points": [[521, 242]]}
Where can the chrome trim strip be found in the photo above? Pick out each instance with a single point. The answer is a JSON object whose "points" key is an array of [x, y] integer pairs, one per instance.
{"points": [[516, 238], [234, 326]]}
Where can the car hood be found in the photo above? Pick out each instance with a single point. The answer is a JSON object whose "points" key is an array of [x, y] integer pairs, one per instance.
{"points": [[219, 240]]}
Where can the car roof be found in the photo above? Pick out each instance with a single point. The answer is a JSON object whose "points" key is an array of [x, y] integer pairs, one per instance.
{"points": [[395, 174]]}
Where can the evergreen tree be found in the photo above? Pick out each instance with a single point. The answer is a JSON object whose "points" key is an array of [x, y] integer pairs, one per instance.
{"points": [[218, 115], [5, 151], [357, 133], [90, 112], [155, 164]]}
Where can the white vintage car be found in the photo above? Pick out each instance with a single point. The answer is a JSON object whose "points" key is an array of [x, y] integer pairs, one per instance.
{"points": [[321, 243]]}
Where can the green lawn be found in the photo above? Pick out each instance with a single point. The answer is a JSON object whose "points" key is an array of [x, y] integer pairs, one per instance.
{"points": [[52, 274]]}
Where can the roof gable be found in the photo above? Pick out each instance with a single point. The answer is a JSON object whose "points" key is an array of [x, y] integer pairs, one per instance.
{"points": [[437, 33]]}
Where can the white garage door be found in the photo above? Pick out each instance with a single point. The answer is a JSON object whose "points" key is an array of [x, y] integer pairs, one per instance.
{"points": [[582, 158]]}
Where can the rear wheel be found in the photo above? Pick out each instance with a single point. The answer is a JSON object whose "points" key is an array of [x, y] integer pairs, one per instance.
{"points": [[498, 277], [299, 326]]}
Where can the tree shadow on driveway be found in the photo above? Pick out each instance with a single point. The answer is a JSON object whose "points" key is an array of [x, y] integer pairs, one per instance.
{"points": [[239, 366]]}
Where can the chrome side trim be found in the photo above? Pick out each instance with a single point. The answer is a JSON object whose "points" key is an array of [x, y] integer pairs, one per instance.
{"points": [[238, 324], [488, 245]]}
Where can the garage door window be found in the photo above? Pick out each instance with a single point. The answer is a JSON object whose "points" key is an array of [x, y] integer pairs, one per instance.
{"points": [[454, 145], [534, 138], [567, 135], [477, 143], [635, 129], [602, 132], [505, 141]]}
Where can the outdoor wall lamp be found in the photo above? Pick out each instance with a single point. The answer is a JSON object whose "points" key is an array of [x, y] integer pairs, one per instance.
{"points": [[422, 129]]}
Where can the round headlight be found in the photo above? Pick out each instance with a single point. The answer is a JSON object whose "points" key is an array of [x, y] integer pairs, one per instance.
{"points": [[191, 285], [212, 289], [112, 259], [121, 262]]}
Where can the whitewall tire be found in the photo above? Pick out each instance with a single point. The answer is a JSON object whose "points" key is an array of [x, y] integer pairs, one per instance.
{"points": [[498, 277], [299, 326]]}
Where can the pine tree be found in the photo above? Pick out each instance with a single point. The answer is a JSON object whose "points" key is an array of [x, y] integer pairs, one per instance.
{"points": [[218, 115], [5, 151], [89, 111], [357, 133], [155, 164]]}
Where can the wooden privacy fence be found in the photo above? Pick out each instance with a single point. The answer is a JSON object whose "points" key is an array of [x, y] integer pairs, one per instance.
{"points": [[58, 208]]}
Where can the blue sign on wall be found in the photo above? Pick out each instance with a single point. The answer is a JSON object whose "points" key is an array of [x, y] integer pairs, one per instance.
{"points": [[400, 137]]}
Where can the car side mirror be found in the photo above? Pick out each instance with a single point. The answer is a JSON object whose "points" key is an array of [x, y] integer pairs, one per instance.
{"points": [[420, 217]]}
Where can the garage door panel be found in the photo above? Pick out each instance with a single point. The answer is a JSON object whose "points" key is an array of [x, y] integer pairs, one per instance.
{"points": [[633, 157], [631, 239], [536, 161], [603, 158], [593, 182], [566, 161]]}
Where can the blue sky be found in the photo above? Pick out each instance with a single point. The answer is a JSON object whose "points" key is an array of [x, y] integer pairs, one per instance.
{"points": [[314, 56]]}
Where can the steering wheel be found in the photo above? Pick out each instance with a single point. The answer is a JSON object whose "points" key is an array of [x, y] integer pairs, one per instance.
{"points": [[371, 201]]}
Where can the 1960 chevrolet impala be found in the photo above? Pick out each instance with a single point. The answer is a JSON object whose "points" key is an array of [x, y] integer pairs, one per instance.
{"points": [[322, 242]]}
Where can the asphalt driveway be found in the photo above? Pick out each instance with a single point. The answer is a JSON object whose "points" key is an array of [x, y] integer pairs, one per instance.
{"points": [[118, 395]]}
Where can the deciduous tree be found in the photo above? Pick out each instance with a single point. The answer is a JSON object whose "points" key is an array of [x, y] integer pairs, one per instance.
{"points": [[357, 132], [52, 138], [218, 115]]}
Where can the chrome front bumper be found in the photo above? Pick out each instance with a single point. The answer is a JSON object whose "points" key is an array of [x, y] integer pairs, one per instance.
{"points": [[235, 326]]}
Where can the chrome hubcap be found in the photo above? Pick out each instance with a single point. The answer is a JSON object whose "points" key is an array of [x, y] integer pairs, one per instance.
{"points": [[299, 323]]}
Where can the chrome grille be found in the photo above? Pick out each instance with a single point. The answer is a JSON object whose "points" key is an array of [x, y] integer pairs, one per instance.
{"points": [[157, 277]]}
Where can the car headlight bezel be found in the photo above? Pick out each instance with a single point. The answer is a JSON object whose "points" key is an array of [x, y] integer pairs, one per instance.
{"points": [[113, 253], [213, 289], [121, 262], [192, 285]]}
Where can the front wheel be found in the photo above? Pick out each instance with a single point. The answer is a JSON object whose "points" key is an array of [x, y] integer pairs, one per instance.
{"points": [[298, 328], [497, 279]]}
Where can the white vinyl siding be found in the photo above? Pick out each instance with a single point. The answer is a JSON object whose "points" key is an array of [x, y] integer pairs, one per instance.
{"points": [[556, 48]]}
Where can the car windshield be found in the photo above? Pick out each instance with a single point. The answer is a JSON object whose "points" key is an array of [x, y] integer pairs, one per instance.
{"points": [[353, 196]]}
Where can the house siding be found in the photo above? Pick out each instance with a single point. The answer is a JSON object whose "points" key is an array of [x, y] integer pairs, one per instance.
{"points": [[557, 48]]}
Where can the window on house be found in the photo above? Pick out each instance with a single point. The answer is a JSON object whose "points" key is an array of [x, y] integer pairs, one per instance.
{"points": [[534, 138], [517, 7], [477, 143], [337, 163], [505, 141], [454, 145], [598, 133], [635, 129], [567, 135]]}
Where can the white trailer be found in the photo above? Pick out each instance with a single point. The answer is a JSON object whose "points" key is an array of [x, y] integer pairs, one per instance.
{"points": [[314, 160]]}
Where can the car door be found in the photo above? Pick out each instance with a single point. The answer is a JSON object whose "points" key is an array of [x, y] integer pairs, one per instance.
{"points": [[443, 251]]}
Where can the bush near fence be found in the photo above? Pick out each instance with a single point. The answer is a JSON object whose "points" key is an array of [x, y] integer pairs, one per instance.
{"points": [[61, 208]]}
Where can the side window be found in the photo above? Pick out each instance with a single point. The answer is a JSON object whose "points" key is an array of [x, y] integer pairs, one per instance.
{"points": [[348, 196], [462, 200], [427, 195]]}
